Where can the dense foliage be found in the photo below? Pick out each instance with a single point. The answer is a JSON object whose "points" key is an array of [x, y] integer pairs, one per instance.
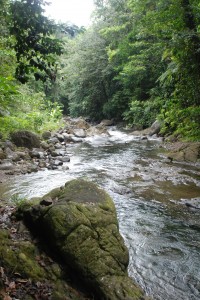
{"points": [[21, 106], [138, 62], [35, 47]]}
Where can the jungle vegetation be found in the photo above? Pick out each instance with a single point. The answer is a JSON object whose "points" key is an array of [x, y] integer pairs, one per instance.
{"points": [[139, 61]]}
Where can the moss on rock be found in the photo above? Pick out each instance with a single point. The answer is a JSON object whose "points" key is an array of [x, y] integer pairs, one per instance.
{"points": [[82, 227]]}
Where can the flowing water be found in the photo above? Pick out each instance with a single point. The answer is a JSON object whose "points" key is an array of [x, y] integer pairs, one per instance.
{"points": [[150, 193]]}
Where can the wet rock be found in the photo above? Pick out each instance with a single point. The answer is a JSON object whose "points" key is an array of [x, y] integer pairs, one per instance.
{"points": [[65, 159], [32, 168], [46, 135], [23, 155], [82, 227], [54, 140], [79, 123], [58, 163], [35, 154], [42, 164], [44, 145], [143, 138], [155, 127], [189, 152], [58, 146], [53, 153], [6, 165], [2, 154], [9, 144], [80, 133], [65, 168], [76, 139], [46, 202], [179, 156], [61, 152], [60, 137], [107, 122], [67, 137], [25, 139]]}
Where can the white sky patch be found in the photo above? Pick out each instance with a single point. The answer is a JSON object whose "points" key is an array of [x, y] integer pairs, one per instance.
{"points": [[77, 12]]}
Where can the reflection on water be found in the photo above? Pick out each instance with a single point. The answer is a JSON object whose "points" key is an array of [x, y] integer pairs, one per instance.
{"points": [[163, 236]]}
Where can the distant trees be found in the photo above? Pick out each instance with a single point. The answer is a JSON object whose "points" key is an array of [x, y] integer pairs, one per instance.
{"points": [[138, 62], [150, 66]]}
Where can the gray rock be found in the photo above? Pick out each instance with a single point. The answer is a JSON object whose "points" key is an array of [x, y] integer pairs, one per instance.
{"points": [[67, 137], [82, 227], [107, 122], [54, 140], [60, 137], [46, 135], [80, 133], [65, 159], [42, 164], [76, 139], [58, 146], [155, 128], [32, 168], [35, 154], [54, 153], [9, 144], [44, 145], [65, 168], [58, 163], [2, 154], [7, 165], [25, 139]]}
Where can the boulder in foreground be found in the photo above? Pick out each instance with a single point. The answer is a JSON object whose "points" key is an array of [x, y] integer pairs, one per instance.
{"points": [[81, 226]]}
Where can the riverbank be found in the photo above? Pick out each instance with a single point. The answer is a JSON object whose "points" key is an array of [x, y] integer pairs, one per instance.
{"points": [[25, 152]]}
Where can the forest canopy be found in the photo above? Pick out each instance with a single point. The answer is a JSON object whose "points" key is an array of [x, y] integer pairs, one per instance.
{"points": [[138, 62]]}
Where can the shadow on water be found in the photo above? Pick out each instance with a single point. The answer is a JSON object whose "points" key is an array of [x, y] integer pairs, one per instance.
{"points": [[161, 232]]}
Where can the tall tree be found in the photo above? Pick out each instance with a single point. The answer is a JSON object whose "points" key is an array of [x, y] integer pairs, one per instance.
{"points": [[36, 47]]}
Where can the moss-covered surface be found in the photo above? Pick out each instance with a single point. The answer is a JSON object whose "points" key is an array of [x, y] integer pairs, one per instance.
{"points": [[81, 227], [26, 271]]}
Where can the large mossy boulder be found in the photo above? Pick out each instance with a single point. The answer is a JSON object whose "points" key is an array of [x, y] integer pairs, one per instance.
{"points": [[81, 226], [24, 138]]}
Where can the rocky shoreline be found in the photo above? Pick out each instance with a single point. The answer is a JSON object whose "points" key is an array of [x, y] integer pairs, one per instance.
{"points": [[25, 152]]}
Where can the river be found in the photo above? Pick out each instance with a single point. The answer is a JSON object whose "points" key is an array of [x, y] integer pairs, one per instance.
{"points": [[150, 193]]}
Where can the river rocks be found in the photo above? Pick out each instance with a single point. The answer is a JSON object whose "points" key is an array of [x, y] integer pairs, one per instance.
{"points": [[82, 227], [79, 123], [107, 122], [80, 133], [25, 139], [46, 135], [154, 129], [44, 145], [53, 140], [179, 151], [2, 154], [7, 165]]}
